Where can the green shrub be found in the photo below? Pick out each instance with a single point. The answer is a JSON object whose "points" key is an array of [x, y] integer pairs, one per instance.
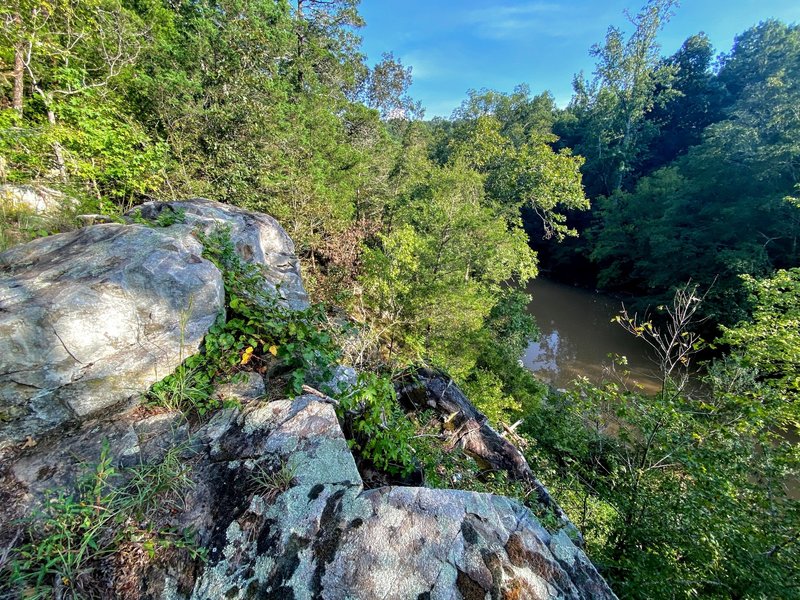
{"points": [[258, 329], [165, 218], [73, 535], [379, 428]]}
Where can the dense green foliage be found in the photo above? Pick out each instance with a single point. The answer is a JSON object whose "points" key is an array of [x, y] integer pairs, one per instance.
{"points": [[692, 485], [422, 232], [700, 192], [377, 427], [255, 330]]}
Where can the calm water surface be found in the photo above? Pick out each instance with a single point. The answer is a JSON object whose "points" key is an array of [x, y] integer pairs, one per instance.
{"points": [[578, 337]]}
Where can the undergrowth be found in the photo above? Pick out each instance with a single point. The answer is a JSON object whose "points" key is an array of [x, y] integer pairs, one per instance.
{"points": [[259, 332], [445, 465], [262, 335], [376, 426], [71, 542], [19, 224], [168, 216]]}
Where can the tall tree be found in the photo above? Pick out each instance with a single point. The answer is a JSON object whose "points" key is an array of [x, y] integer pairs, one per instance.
{"points": [[509, 139], [386, 89], [691, 102], [719, 210], [431, 282], [68, 124], [609, 125]]}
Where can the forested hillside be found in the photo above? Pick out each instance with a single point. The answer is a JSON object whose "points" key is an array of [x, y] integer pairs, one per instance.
{"points": [[670, 179]]}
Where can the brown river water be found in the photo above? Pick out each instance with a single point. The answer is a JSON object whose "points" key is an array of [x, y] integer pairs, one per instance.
{"points": [[578, 338]]}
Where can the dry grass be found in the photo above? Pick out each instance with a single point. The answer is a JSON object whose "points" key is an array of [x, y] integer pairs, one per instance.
{"points": [[19, 225]]}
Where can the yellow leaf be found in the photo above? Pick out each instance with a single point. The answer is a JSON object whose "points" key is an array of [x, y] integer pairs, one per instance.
{"points": [[449, 424], [247, 355], [273, 350]]}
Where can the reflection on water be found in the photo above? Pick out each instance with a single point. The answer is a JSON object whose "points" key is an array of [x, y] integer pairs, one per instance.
{"points": [[578, 338]]}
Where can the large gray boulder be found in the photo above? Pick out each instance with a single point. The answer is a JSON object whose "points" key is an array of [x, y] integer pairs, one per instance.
{"points": [[258, 239], [93, 317], [314, 533], [324, 536]]}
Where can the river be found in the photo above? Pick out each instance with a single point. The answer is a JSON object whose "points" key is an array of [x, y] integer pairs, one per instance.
{"points": [[578, 337]]}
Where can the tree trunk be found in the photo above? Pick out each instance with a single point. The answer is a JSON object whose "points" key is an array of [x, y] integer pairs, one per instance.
{"points": [[427, 389], [58, 149], [301, 42], [19, 71]]}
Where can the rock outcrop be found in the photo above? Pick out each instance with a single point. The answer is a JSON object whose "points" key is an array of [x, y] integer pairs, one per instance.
{"points": [[258, 239], [327, 537], [37, 199], [276, 502], [319, 534], [93, 317]]}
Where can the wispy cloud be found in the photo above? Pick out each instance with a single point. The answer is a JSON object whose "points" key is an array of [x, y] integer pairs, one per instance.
{"points": [[521, 20], [423, 67]]}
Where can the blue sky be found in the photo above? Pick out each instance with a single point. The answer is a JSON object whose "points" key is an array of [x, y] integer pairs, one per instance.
{"points": [[455, 45]]}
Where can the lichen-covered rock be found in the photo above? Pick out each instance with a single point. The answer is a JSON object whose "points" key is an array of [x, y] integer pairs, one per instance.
{"points": [[324, 536], [258, 239], [90, 318], [93, 317], [279, 506]]}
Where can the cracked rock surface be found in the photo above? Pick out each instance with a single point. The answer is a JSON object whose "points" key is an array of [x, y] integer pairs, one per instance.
{"points": [[318, 534], [90, 318], [93, 317], [258, 238], [327, 537]]}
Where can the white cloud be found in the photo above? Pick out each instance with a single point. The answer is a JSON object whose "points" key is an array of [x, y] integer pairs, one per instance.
{"points": [[522, 20], [422, 67]]}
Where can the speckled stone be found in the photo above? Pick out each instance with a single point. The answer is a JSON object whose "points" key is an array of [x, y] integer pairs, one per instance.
{"points": [[258, 239], [326, 537]]}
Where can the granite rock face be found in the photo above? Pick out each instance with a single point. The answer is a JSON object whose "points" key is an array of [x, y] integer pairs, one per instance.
{"points": [[93, 317], [258, 239], [324, 536], [90, 318], [35, 198], [315, 532]]}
